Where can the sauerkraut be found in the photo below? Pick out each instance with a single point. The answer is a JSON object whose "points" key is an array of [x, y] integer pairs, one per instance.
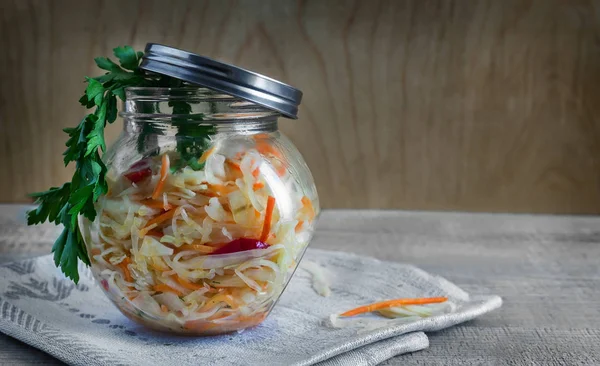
{"points": [[201, 251]]}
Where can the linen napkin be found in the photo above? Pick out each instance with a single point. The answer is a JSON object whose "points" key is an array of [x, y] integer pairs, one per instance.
{"points": [[78, 325]]}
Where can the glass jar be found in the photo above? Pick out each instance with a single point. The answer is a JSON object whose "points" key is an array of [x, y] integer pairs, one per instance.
{"points": [[208, 212]]}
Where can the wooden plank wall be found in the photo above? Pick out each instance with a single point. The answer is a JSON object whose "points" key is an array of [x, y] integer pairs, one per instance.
{"points": [[454, 105]]}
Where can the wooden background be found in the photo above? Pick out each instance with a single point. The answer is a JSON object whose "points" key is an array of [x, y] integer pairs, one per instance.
{"points": [[462, 105]]}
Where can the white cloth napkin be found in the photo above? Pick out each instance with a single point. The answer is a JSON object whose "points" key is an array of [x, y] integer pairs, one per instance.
{"points": [[78, 325]]}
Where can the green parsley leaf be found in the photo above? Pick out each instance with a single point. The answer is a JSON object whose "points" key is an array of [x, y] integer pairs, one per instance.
{"points": [[106, 64], [128, 58], [49, 204], [94, 91]]}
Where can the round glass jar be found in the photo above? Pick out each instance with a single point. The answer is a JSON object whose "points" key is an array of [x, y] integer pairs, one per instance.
{"points": [[208, 212]]}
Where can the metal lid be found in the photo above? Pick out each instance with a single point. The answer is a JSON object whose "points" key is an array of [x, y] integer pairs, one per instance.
{"points": [[222, 77]]}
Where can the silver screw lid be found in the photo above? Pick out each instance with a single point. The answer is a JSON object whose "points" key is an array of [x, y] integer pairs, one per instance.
{"points": [[222, 77]]}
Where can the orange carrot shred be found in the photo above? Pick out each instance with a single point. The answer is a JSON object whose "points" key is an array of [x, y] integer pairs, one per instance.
{"points": [[391, 303], [187, 284], [125, 269], [156, 233], [222, 297], [220, 189], [258, 185], [162, 217], [308, 207], [166, 288], [164, 171], [299, 226], [264, 147], [281, 170], [206, 154], [143, 232], [234, 166], [268, 216]]}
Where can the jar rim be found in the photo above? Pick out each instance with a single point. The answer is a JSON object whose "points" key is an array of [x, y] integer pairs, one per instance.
{"points": [[238, 108], [182, 91]]}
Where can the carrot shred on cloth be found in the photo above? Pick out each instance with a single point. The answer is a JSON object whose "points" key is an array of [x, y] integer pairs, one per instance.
{"points": [[166, 288], [268, 216], [164, 172], [392, 303]]}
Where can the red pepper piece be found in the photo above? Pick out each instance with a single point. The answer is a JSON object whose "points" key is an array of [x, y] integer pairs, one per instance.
{"points": [[138, 171], [240, 245]]}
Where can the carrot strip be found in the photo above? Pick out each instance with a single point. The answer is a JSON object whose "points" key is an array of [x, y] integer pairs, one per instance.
{"points": [[268, 216], [125, 269], [281, 170], [391, 303], [162, 217], [166, 288], [258, 185], [220, 189], [255, 173], [265, 148], [234, 166], [187, 284], [164, 171], [206, 154], [299, 226], [222, 297], [156, 233], [308, 207], [143, 232], [156, 204], [261, 135], [95, 251]]}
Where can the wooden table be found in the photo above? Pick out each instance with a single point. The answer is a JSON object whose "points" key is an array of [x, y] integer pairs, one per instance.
{"points": [[546, 268]]}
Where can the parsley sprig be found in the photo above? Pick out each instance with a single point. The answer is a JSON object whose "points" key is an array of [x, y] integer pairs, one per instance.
{"points": [[63, 205]]}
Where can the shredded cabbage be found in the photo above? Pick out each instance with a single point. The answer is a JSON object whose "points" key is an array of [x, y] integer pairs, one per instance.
{"points": [[165, 246], [320, 283]]}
